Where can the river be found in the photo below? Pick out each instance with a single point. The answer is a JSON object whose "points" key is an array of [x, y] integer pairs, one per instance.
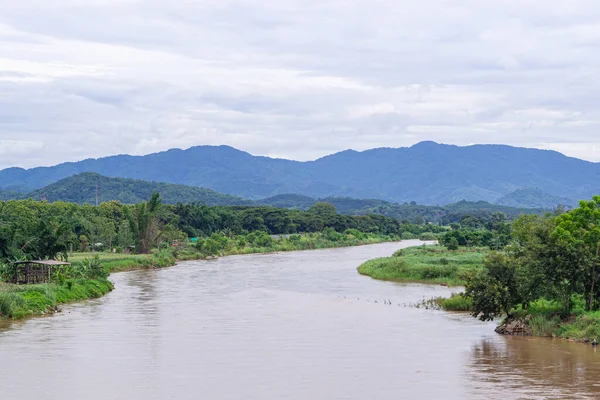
{"points": [[299, 325]]}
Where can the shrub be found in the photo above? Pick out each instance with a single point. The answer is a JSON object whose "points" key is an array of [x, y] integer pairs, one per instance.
{"points": [[452, 244], [428, 236], [457, 302], [398, 253], [408, 236]]}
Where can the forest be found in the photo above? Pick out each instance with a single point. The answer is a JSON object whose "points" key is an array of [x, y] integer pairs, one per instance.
{"points": [[37, 230]]}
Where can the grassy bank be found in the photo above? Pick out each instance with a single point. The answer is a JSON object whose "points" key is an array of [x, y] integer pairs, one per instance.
{"points": [[224, 246], [126, 262], [19, 301], [426, 264]]}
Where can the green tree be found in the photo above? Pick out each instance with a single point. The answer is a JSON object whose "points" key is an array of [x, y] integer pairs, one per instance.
{"points": [[579, 232], [144, 223], [323, 209], [452, 244], [494, 290], [124, 235]]}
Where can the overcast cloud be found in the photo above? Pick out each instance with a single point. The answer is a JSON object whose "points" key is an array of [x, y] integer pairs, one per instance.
{"points": [[295, 79]]}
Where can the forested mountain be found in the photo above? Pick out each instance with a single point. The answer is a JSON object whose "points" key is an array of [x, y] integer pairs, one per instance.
{"points": [[428, 173], [405, 212], [9, 195], [534, 197], [296, 201], [81, 189]]}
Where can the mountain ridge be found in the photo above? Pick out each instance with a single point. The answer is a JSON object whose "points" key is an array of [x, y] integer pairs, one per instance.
{"points": [[83, 188], [427, 172]]}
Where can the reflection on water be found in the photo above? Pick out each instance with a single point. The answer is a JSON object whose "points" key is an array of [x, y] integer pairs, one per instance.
{"points": [[298, 325], [536, 367]]}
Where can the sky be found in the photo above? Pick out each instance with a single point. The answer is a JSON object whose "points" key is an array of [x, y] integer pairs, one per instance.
{"points": [[295, 79]]}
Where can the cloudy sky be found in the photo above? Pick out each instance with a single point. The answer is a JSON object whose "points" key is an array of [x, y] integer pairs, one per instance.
{"points": [[295, 78]]}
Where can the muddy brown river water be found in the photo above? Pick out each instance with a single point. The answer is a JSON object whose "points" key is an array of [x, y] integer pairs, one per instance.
{"points": [[300, 325]]}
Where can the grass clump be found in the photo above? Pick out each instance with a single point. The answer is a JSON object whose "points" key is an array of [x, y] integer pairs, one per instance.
{"points": [[543, 326], [428, 264], [457, 302]]}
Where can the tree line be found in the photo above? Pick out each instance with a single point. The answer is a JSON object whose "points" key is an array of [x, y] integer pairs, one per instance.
{"points": [[37, 230]]}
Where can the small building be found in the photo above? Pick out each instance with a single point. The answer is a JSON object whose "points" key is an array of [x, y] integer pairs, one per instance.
{"points": [[36, 271]]}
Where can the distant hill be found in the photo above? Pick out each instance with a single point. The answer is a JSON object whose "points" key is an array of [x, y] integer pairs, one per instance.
{"points": [[409, 212], [9, 195], [428, 173], [535, 198], [81, 189], [297, 201]]}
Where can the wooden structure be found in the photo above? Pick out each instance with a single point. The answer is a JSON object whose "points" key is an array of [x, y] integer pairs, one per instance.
{"points": [[36, 271]]}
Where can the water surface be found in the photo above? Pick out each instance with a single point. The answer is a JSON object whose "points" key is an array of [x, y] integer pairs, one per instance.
{"points": [[300, 325]]}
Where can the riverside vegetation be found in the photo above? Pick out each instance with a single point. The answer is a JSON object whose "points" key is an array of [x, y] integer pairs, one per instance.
{"points": [[540, 274], [115, 237]]}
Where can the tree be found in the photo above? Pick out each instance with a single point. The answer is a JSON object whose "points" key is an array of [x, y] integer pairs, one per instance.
{"points": [[419, 220], [579, 232], [494, 290], [124, 236], [452, 244], [144, 223], [323, 209]]}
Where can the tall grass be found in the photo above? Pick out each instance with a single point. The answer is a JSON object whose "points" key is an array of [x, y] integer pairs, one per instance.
{"points": [[543, 326], [456, 302], [429, 264]]}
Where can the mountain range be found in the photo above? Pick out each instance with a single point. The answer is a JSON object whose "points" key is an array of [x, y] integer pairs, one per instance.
{"points": [[427, 173]]}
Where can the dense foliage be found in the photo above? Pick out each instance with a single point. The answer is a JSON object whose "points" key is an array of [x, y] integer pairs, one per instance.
{"points": [[553, 258], [407, 212], [493, 232], [34, 229]]}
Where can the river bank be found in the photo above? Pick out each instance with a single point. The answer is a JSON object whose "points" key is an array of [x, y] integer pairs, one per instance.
{"points": [[547, 319], [231, 247], [20, 301], [437, 265]]}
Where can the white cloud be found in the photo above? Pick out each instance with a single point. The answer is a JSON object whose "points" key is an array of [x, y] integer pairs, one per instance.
{"points": [[292, 78]]}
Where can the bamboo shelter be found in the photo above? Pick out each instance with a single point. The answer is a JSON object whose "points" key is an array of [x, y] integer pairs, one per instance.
{"points": [[36, 271]]}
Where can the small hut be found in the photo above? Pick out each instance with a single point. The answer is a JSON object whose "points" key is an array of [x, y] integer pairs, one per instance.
{"points": [[36, 271]]}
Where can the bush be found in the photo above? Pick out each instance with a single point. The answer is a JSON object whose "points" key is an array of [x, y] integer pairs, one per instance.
{"points": [[452, 244], [398, 253], [457, 302], [408, 236], [428, 236]]}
